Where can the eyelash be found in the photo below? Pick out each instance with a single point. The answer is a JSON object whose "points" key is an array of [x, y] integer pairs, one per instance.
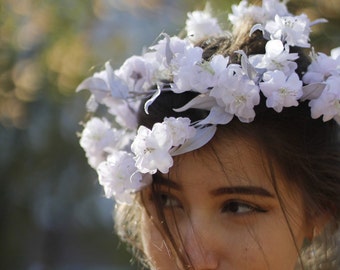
{"points": [[231, 206]]}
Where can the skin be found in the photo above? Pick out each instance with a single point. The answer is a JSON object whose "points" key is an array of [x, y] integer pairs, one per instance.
{"points": [[227, 212]]}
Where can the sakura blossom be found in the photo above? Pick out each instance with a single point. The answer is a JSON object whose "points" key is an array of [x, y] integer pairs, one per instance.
{"points": [[99, 139], [321, 68], [180, 129], [280, 90], [294, 30], [200, 24], [328, 104], [151, 148], [118, 175], [236, 94], [277, 57]]}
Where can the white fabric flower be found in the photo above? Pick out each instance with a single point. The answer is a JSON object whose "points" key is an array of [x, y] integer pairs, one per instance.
{"points": [[294, 30], [180, 129], [236, 94], [111, 91], [164, 56], [198, 75], [137, 73], [321, 68], [280, 90], [119, 176], [328, 104], [98, 139], [190, 72], [277, 57], [152, 147], [200, 25], [258, 14], [335, 53], [274, 7]]}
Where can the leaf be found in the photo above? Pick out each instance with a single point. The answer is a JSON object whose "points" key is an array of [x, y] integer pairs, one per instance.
{"points": [[92, 83], [217, 115], [152, 99], [203, 136], [247, 67], [312, 91], [202, 101]]}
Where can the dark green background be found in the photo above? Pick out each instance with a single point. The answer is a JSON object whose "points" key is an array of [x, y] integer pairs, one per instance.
{"points": [[52, 212]]}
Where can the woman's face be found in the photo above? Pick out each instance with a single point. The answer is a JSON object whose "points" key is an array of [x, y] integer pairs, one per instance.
{"points": [[220, 203]]}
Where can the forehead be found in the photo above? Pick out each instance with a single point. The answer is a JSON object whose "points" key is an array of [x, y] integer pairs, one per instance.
{"points": [[233, 161]]}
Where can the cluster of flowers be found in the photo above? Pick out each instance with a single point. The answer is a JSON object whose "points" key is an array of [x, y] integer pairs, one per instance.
{"points": [[125, 157]]}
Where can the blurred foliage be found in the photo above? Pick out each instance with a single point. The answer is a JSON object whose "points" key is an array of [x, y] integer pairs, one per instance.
{"points": [[53, 214]]}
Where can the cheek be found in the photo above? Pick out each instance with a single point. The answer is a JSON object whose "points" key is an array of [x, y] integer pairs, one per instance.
{"points": [[155, 248], [274, 244]]}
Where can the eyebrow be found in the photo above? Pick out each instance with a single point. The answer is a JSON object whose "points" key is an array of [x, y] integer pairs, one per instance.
{"points": [[165, 181], [241, 190]]}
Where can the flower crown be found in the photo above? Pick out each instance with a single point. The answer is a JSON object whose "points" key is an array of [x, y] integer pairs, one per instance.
{"points": [[125, 157]]}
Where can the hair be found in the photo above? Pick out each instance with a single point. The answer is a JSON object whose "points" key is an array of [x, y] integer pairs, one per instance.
{"points": [[306, 150]]}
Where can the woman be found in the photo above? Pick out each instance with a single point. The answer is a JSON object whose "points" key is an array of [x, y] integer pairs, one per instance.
{"points": [[224, 151]]}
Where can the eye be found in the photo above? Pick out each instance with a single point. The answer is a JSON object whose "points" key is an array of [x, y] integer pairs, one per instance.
{"points": [[168, 200], [239, 208]]}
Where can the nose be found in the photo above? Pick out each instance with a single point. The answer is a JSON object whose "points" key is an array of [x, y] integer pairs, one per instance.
{"points": [[200, 249]]}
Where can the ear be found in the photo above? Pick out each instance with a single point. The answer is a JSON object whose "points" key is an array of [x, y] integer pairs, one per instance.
{"points": [[316, 223]]}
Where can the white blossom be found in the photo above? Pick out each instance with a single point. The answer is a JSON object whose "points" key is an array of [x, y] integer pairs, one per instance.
{"points": [[180, 129], [321, 68], [164, 56], [257, 13], [151, 148], [110, 90], [294, 30], [137, 73], [199, 75], [98, 139], [280, 90], [119, 176], [236, 94], [277, 57], [328, 104], [200, 25]]}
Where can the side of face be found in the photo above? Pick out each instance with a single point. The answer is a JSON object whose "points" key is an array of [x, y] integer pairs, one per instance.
{"points": [[222, 209]]}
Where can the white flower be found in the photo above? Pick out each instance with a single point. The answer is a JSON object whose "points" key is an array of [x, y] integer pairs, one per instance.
{"points": [[280, 90], [335, 53], [198, 75], [98, 140], [274, 7], [294, 30], [137, 73], [277, 57], [328, 104], [111, 91], [236, 94], [242, 10], [118, 175], [321, 68], [105, 85], [200, 25], [190, 73], [180, 129], [164, 56], [258, 14], [152, 147]]}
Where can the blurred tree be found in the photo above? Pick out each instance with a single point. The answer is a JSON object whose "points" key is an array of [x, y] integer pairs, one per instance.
{"points": [[53, 214]]}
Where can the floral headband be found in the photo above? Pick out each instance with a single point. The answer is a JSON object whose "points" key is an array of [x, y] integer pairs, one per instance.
{"points": [[125, 155]]}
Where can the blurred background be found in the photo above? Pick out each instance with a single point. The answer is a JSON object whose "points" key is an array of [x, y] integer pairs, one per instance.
{"points": [[53, 214]]}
